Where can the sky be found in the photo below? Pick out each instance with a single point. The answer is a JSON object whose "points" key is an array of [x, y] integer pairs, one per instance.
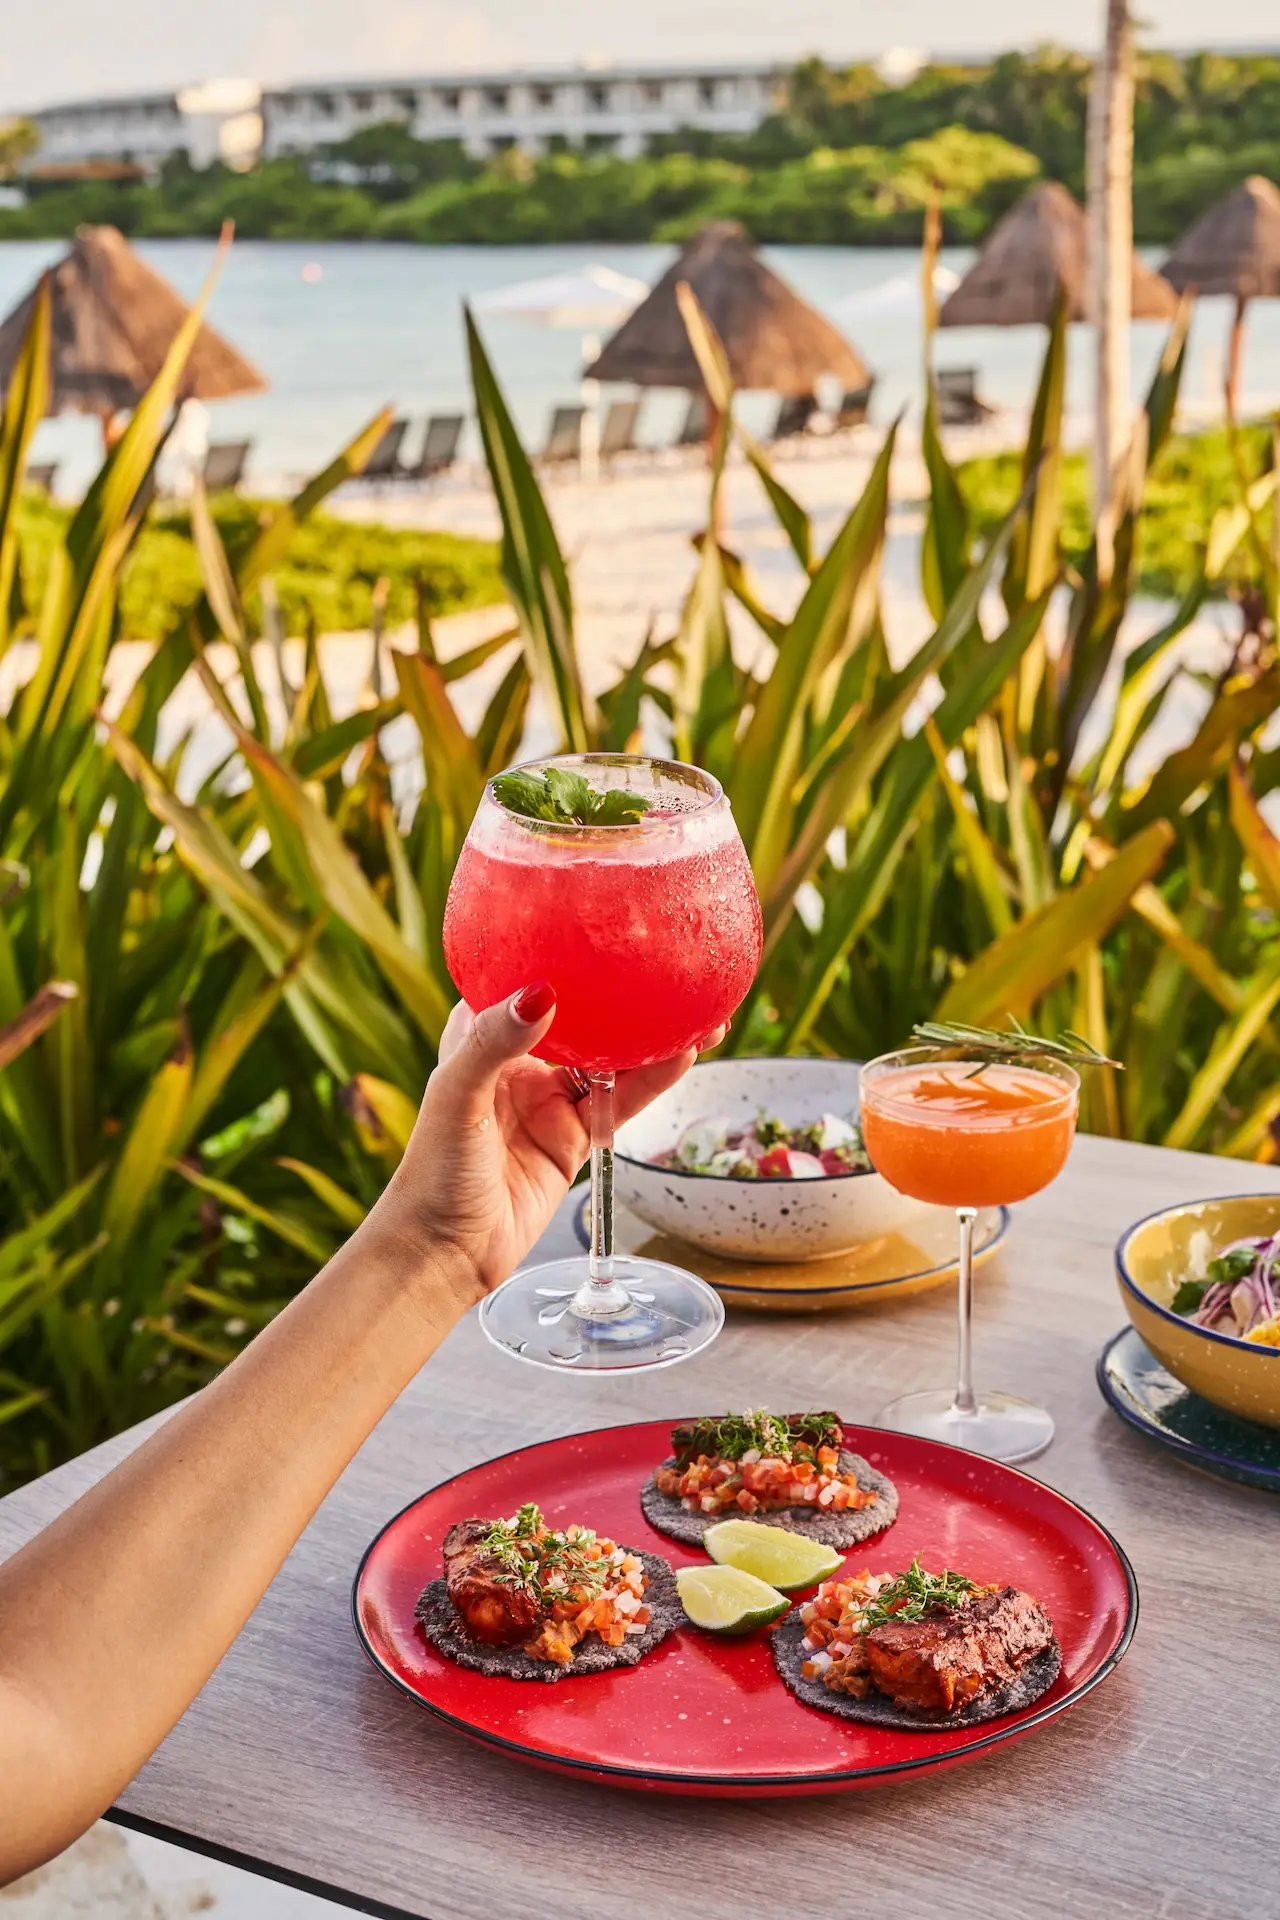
{"points": [[72, 49]]}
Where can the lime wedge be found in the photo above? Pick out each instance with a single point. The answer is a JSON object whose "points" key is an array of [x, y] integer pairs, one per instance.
{"points": [[726, 1600], [788, 1561]]}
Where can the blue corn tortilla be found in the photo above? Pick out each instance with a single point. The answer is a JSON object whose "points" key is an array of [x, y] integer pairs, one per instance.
{"points": [[839, 1531], [878, 1710], [445, 1629]]}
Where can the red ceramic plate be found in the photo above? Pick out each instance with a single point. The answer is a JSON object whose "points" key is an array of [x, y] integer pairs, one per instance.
{"points": [[707, 1715]]}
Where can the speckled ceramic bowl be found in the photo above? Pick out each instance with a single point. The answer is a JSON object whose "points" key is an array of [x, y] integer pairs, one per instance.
{"points": [[1155, 1256], [764, 1220]]}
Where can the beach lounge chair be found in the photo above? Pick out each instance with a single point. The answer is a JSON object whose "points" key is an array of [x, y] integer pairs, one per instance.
{"points": [[958, 402], [795, 411], [564, 436], [693, 432], [855, 407], [43, 476], [224, 465], [618, 434], [439, 447], [383, 463]]}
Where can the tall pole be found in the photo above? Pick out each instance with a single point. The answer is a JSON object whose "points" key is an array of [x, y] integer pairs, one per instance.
{"points": [[1110, 183]]}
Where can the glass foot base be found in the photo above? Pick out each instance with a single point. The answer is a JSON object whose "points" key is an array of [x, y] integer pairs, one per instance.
{"points": [[1002, 1428], [538, 1315]]}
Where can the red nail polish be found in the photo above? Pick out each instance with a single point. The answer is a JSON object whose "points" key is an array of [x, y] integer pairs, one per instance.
{"points": [[534, 1003]]}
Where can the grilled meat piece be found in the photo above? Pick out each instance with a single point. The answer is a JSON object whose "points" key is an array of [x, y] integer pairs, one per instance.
{"points": [[941, 1662], [499, 1614]]}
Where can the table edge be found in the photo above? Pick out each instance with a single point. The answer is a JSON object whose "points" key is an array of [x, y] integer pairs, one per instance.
{"points": [[119, 1816]]}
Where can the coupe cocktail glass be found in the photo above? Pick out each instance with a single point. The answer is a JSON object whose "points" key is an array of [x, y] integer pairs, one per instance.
{"points": [[650, 935], [967, 1133]]}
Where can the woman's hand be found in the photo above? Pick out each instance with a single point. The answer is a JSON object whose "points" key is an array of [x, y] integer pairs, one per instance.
{"points": [[501, 1136]]}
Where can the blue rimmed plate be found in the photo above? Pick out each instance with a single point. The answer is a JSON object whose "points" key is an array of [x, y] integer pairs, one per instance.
{"points": [[1148, 1398], [884, 1268]]}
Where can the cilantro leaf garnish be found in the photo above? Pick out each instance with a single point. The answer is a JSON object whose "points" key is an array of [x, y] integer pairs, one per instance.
{"points": [[1237, 1264], [529, 1554], [914, 1594], [567, 799], [730, 1435]]}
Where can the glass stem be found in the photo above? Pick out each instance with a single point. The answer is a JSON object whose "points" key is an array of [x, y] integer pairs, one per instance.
{"points": [[601, 1292], [965, 1401], [601, 1108]]}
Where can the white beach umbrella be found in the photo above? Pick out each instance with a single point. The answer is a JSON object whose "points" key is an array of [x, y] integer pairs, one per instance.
{"points": [[591, 299], [588, 301], [900, 294]]}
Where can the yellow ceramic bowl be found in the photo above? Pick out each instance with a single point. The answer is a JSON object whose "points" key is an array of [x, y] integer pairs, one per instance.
{"points": [[1155, 1256]]}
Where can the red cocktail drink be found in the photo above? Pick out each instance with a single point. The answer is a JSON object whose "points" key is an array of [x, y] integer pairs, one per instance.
{"points": [[649, 934], [622, 882]]}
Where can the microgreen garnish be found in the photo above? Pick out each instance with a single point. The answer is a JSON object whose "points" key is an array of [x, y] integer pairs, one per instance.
{"points": [[1013, 1043], [567, 799], [530, 1553], [914, 1594], [731, 1435]]}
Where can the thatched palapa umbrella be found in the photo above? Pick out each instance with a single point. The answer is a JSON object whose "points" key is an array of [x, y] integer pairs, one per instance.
{"points": [[114, 319], [1233, 248], [774, 342], [1040, 247]]}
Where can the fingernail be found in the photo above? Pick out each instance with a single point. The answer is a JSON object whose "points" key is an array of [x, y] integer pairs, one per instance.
{"points": [[534, 1003]]}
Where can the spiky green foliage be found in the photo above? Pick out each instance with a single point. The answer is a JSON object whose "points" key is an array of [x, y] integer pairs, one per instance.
{"points": [[256, 950]]}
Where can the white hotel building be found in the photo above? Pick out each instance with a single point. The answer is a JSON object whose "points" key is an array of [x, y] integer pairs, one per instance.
{"points": [[616, 109]]}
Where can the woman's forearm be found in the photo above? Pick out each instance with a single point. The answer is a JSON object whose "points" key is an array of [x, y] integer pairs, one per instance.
{"points": [[115, 1615]]}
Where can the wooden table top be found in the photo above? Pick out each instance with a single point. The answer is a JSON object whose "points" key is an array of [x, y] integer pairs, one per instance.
{"points": [[1154, 1798]]}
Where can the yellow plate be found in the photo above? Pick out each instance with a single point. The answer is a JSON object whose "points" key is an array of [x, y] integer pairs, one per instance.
{"points": [[886, 1268]]}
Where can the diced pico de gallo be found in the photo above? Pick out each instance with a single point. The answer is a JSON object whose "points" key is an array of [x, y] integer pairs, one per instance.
{"points": [[601, 1590]]}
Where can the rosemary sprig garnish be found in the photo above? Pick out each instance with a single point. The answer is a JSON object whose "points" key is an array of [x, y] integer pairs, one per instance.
{"points": [[1013, 1043], [914, 1594]]}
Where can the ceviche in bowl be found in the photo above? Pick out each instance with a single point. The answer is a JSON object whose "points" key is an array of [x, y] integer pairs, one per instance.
{"points": [[759, 1160], [767, 1148], [1201, 1283]]}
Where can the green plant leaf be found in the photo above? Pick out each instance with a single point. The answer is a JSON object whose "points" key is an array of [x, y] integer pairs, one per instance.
{"points": [[1236, 711], [455, 776], [984, 863], [336, 1011], [348, 893], [284, 1225], [148, 1144], [382, 1113], [317, 755], [1262, 848], [25, 402], [1009, 977], [532, 562], [871, 740], [855, 896], [342, 1205], [768, 759], [1231, 1045], [36, 1018]]}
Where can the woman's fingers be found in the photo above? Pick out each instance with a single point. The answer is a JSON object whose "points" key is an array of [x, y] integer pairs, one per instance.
{"points": [[456, 1028], [634, 1090], [475, 1047]]}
